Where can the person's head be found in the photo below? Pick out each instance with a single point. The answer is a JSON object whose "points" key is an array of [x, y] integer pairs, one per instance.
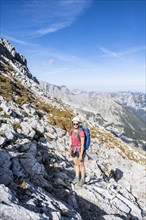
{"points": [[75, 122]]}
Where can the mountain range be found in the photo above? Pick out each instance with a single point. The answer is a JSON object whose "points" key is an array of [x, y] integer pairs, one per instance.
{"points": [[122, 113], [35, 172]]}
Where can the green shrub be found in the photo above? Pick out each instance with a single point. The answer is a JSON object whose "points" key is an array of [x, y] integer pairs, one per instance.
{"points": [[7, 67], [16, 126], [39, 133], [56, 117], [5, 116]]}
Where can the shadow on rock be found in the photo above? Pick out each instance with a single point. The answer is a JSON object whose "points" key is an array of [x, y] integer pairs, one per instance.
{"points": [[116, 174]]}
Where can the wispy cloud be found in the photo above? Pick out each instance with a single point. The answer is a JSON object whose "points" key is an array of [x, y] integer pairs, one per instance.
{"points": [[52, 28], [33, 18], [50, 61], [45, 17], [53, 53], [108, 53], [13, 39]]}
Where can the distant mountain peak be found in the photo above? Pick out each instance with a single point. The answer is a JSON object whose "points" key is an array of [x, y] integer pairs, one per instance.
{"points": [[76, 91]]}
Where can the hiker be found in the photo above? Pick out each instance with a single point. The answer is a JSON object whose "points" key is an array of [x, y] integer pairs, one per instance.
{"points": [[76, 151]]}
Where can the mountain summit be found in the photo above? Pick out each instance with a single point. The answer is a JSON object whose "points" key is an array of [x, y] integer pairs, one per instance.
{"points": [[36, 174]]}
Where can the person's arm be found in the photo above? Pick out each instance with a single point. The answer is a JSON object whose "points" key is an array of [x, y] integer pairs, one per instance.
{"points": [[70, 142], [69, 147], [82, 147]]}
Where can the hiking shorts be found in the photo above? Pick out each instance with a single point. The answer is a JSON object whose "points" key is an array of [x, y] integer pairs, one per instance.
{"points": [[77, 154]]}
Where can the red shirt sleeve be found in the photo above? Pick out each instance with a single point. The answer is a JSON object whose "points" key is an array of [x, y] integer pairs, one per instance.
{"points": [[82, 133]]}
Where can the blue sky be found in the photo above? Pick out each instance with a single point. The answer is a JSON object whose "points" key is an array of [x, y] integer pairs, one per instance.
{"points": [[83, 44]]}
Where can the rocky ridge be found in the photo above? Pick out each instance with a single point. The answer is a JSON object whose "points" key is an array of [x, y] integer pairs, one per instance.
{"points": [[35, 172]]}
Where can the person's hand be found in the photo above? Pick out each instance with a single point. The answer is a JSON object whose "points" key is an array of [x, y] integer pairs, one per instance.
{"points": [[69, 154], [80, 158]]}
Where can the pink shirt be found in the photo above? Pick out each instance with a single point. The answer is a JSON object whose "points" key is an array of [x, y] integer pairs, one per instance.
{"points": [[74, 137]]}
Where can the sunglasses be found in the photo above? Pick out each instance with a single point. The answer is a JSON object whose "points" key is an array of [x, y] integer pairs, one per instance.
{"points": [[75, 124]]}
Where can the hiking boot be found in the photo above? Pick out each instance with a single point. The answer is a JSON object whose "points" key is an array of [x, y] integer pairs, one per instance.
{"points": [[81, 182], [76, 180]]}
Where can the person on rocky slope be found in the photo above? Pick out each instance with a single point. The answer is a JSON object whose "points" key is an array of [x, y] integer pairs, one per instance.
{"points": [[76, 151]]}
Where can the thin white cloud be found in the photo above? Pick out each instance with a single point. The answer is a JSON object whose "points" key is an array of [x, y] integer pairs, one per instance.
{"points": [[109, 53], [35, 18], [50, 61], [64, 56], [52, 28], [50, 16], [54, 54], [133, 50], [13, 39]]}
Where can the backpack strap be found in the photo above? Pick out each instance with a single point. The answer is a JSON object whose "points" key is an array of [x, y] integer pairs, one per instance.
{"points": [[79, 134]]}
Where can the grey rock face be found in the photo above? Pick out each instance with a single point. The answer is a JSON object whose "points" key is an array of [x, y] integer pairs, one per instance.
{"points": [[8, 130], [2, 140], [6, 175], [30, 164], [8, 52]]}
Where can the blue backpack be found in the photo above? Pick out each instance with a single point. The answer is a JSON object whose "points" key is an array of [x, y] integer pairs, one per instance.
{"points": [[87, 136]]}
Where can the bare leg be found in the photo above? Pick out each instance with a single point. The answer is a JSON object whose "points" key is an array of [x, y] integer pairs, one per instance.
{"points": [[76, 166], [82, 169]]}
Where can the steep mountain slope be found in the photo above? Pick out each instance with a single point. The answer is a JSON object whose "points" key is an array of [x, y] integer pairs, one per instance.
{"points": [[121, 113], [35, 173], [136, 102]]}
